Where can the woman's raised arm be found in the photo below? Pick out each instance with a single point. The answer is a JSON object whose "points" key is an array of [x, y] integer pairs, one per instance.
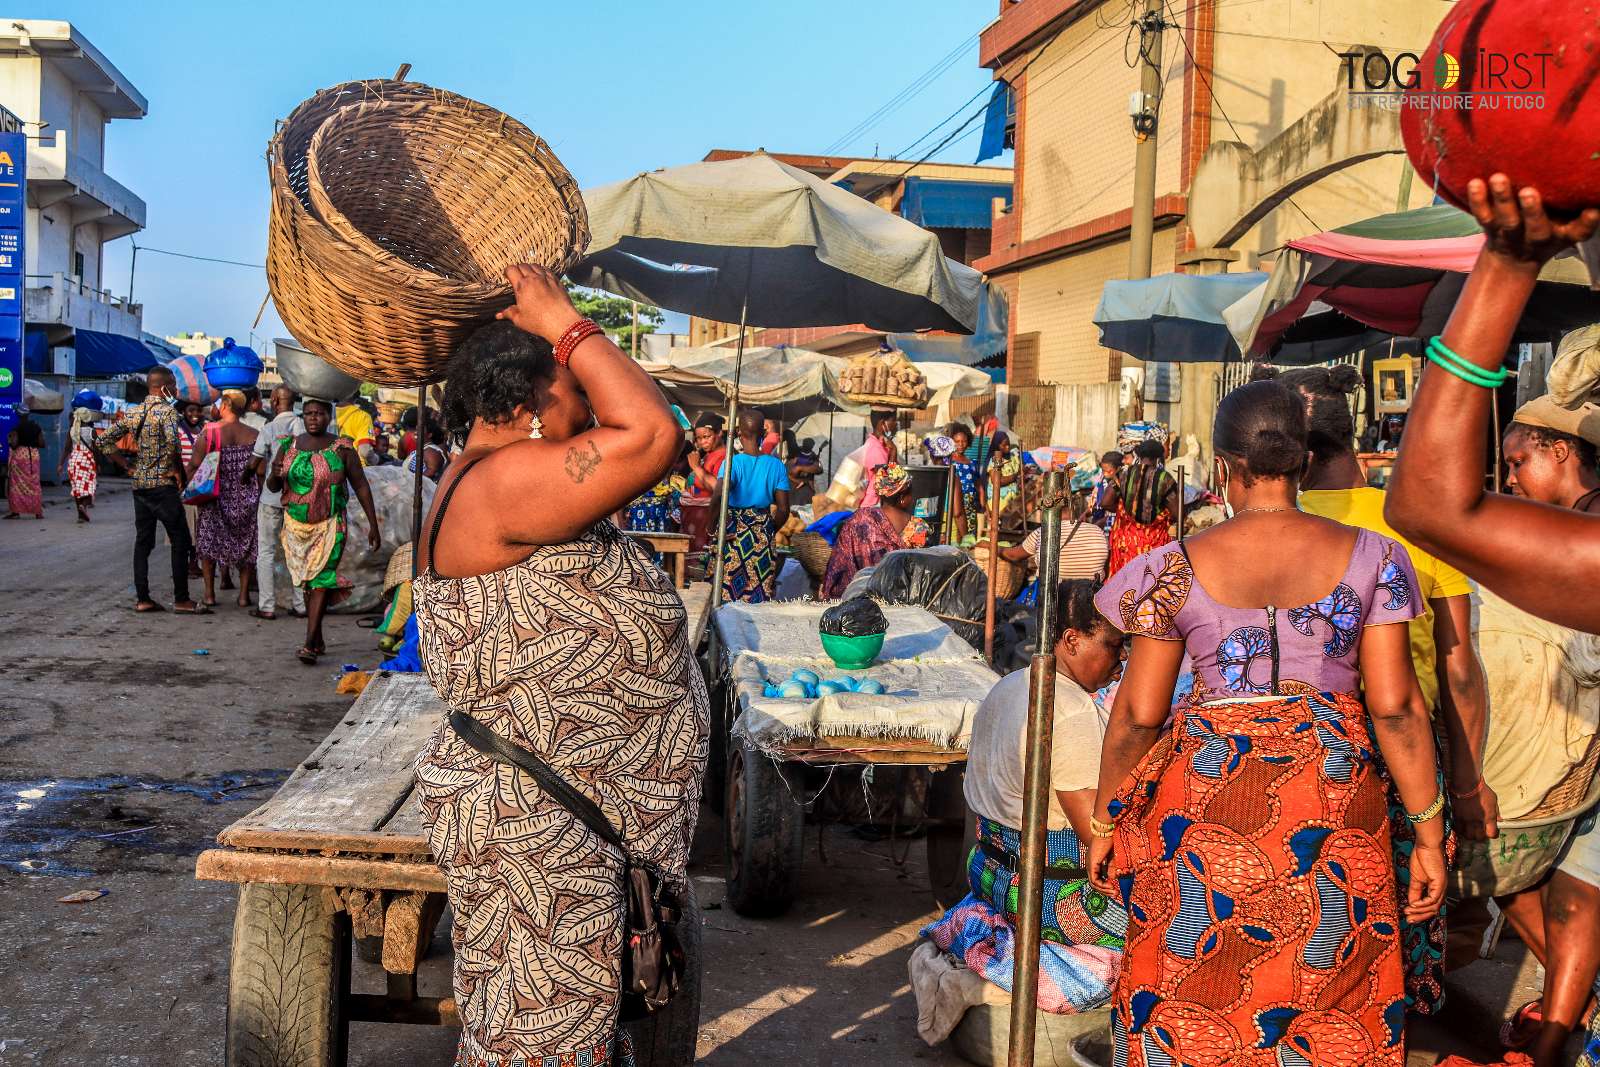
{"points": [[1534, 555]]}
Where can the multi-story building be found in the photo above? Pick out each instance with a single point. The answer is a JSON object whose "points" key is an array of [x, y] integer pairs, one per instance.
{"points": [[195, 343], [953, 200], [1247, 77], [66, 92]]}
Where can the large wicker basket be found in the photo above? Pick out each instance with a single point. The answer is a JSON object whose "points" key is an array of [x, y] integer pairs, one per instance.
{"points": [[396, 208], [1008, 577], [813, 552]]}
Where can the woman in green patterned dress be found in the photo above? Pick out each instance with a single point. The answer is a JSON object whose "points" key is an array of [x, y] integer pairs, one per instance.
{"points": [[316, 473]]}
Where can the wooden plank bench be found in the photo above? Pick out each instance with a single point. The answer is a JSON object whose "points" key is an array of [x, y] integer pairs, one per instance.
{"points": [[339, 854], [673, 546]]}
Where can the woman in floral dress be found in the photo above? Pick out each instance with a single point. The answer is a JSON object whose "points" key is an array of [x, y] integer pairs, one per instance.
{"points": [[225, 528]]}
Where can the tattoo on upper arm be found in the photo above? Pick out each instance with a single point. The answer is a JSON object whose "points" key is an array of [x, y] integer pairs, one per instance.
{"points": [[580, 463]]}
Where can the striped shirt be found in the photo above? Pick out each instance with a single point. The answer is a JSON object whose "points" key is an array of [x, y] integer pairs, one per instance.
{"points": [[1084, 556]]}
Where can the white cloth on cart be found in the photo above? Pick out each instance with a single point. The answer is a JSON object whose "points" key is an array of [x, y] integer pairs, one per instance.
{"points": [[933, 681]]}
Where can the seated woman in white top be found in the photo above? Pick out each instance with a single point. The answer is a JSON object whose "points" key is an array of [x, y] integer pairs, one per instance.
{"points": [[1083, 923]]}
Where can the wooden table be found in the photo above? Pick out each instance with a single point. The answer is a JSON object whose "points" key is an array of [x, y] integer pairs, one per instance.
{"points": [[339, 853], [673, 545]]}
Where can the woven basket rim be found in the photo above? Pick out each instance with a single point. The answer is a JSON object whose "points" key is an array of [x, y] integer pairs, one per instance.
{"points": [[508, 128]]}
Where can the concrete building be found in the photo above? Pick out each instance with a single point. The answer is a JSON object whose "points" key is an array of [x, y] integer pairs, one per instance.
{"points": [[953, 200], [195, 343], [1240, 80], [66, 92]]}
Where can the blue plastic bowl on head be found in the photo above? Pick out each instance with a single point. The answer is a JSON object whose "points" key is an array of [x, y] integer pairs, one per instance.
{"points": [[233, 367]]}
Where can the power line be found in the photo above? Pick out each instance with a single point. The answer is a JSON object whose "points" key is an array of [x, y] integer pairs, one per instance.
{"points": [[202, 259], [905, 95]]}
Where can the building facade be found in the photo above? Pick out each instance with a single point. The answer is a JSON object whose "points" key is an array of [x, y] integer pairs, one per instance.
{"points": [[66, 93], [1231, 72], [954, 201]]}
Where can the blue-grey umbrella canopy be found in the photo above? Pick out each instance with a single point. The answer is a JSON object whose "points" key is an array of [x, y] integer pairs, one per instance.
{"points": [[754, 239]]}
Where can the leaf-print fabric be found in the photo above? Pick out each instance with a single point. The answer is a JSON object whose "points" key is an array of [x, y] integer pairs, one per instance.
{"points": [[579, 653]]}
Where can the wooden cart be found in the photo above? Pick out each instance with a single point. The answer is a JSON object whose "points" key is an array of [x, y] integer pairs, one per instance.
{"points": [[766, 794], [338, 856]]}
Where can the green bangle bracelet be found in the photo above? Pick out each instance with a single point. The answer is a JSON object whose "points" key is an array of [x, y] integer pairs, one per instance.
{"points": [[1440, 355], [1443, 355]]}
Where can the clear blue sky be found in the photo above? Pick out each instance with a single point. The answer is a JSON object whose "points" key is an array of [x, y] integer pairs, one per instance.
{"points": [[616, 88]]}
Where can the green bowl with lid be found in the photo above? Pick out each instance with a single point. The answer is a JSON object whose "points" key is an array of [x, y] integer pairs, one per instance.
{"points": [[852, 653]]}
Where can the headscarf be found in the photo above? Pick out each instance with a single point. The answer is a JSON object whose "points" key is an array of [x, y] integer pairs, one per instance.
{"points": [[940, 447], [1545, 412], [890, 480]]}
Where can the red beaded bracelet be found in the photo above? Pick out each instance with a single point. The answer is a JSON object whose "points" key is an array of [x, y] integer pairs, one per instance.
{"points": [[576, 334]]}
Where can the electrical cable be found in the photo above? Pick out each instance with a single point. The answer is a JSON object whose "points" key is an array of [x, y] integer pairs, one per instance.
{"points": [[203, 259], [905, 95]]}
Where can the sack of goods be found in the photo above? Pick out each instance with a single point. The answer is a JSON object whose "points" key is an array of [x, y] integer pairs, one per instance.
{"points": [[396, 209], [886, 379]]}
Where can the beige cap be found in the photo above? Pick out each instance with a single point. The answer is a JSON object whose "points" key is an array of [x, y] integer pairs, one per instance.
{"points": [[1575, 375], [1584, 422]]}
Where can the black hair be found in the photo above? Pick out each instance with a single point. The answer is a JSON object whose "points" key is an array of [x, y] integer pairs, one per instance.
{"points": [[496, 370], [1330, 428], [709, 420], [958, 427], [1113, 458], [408, 418], [1075, 608], [1151, 449], [1543, 436], [327, 405], [29, 434], [1262, 427], [160, 370]]}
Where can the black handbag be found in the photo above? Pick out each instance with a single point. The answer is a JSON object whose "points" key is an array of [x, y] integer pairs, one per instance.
{"points": [[653, 961]]}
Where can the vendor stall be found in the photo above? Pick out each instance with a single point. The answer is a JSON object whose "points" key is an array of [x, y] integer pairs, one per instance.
{"points": [[782, 749]]}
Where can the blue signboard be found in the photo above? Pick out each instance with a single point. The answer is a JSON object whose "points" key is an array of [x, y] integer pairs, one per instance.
{"points": [[13, 209]]}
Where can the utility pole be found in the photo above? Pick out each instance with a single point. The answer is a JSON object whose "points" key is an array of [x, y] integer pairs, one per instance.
{"points": [[1145, 109]]}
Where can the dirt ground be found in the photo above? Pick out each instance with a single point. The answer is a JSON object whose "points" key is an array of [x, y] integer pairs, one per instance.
{"points": [[127, 741]]}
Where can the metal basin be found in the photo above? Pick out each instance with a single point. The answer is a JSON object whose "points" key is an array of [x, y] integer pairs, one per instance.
{"points": [[312, 376]]}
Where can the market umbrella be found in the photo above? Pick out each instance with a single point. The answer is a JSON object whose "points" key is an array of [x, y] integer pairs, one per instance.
{"points": [[796, 380], [753, 240], [1400, 275], [1173, 318]]}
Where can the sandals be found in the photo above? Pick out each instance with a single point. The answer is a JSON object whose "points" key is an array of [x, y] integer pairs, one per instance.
{"points": [[307, 655], [257, 613], [149, 607]]}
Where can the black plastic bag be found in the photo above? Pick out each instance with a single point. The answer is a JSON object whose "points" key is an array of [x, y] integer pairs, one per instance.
{"points": [[944, 580], [855, 617]]}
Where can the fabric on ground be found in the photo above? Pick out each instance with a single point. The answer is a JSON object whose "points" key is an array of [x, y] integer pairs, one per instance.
{"points": [[933, 680], [1072, 978], [945, 989]]}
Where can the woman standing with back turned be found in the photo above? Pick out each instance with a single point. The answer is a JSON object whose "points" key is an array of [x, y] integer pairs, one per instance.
{"points": [[1250, 842], [552, 629]]}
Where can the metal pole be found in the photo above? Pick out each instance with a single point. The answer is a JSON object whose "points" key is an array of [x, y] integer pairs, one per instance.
{"points": [[1180, 501], [830, 447], [1036, 788], [416, 489], [727, 462], [994, 561], [635, 334], [132, 263], [1141, 229]]}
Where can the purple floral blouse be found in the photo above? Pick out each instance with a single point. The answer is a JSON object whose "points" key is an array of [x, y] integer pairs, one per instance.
{"points": [[1245, 651]]}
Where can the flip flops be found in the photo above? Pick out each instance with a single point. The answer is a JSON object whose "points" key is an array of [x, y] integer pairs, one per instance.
{"points": [[257, 613]]}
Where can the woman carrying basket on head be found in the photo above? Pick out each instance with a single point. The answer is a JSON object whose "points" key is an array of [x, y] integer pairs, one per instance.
{"points": [[556, 633]]}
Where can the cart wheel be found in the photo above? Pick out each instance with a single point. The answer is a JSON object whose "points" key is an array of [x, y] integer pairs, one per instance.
{"points": [[950, 839], [765, 824], [289, 978], [714, 787], [667, 1038]]}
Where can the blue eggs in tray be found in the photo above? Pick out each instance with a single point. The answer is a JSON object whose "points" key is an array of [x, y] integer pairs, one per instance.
{"points": [[870, 685], [806, 684]]}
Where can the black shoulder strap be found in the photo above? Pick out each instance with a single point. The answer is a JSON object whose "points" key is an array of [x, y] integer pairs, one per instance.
{"points": [[498, 748], [438, 516]]}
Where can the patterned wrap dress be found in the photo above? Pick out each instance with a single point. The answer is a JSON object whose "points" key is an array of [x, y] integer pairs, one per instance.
{"points": [[579, 653], [315, 491], [83, 470], [225, 529], [1253, 843]]}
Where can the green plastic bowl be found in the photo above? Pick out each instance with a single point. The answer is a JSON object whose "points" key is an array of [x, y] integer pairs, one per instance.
{"points": [[852, 653]]}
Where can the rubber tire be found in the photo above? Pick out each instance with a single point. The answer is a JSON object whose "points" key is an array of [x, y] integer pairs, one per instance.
{"points": [[949, 846], [288, 979], [764, 827], [668, 1038], [714, 787]]}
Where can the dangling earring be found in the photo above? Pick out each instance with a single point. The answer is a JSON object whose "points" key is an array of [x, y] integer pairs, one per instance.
{"points": [[535, 428], [1227, 479]]}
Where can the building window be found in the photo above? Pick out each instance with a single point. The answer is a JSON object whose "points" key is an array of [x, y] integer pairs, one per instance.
{"points": [[77, 267]]}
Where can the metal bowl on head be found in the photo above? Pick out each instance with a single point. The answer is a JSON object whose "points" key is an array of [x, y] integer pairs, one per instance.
{"points": [[311, 375]]}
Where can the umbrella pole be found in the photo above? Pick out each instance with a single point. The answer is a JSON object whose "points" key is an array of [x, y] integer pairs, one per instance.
{"points": [[830, 447], [727, 463], [1036, 788], [994, 562], [416, 489], [1181, 476]]}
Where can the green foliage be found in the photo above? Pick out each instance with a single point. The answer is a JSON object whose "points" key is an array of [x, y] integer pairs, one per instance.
{"points": [[614, 314]]}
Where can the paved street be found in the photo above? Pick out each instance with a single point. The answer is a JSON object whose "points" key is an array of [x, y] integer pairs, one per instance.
{"points": [[123, 751]]}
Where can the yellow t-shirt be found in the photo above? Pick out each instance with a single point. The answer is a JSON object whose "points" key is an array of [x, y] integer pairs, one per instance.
{"points": [[355, 424], [1363, 508]]}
